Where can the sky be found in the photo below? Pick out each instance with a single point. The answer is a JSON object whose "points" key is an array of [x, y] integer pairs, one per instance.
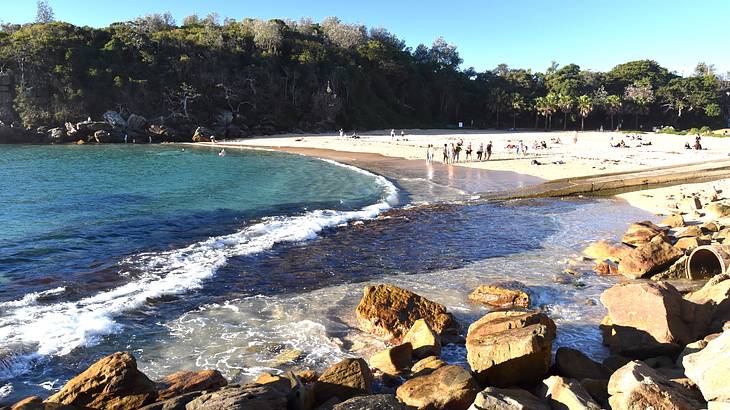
{"points": [[595, 34]]}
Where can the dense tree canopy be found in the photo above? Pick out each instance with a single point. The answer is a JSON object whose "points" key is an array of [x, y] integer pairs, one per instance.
{"points": [[269, 76]]}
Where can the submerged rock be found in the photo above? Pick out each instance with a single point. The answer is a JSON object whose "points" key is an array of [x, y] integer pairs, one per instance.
{"points": [[111, 383], [450, 387], [389, 311], [508, 348], [510, 294]]}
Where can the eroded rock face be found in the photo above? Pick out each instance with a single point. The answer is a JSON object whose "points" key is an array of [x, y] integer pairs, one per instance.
{"points": [[373, 402], [603, 250], [423, 339], [640, 233], [710, 368], [246, 397], [493, 398], [646, 319], [186, 382], [450, 387], [111, 383], [508, 348], [344, 380], [563, 393], [648, 258], [638, 386], [510, 294], [389, 312]]}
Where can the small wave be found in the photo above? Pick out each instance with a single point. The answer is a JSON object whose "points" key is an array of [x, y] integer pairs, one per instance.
{"points": [[32, 298], [58, 329]]}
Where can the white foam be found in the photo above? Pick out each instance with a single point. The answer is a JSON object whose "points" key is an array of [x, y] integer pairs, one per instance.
{"points": [[31, 298], [58, 329]]}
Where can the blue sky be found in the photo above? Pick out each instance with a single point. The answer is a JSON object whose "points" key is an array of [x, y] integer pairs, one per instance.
{"points": [[595, 34]]}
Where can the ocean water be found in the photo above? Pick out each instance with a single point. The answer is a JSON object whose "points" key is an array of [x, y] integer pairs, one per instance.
{"points": [[253, 261]]}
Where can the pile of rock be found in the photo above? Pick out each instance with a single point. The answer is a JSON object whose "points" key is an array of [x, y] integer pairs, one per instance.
{"points": [[668, 353]]}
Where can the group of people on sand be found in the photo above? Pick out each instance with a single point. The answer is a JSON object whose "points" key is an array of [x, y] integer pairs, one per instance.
{"points": [[452, 152], [697, 146], [623, 144]]}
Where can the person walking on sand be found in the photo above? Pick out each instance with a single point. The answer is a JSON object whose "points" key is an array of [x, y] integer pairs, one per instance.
{"points": [[342, 133], [392, 133], [457, 152], [489, 151], [468, 152], [429, 154], [446, 154], [480, 151]]}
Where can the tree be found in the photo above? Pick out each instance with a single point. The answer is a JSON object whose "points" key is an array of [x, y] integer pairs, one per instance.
{"points": [[191, 20], [344, 35], [612, 104], [585, 107], [518, 104], [713, 110], [498, 100], [44, 12], [641, 95], [553, 102], [180, 99], [267, 35], [565, 104]]}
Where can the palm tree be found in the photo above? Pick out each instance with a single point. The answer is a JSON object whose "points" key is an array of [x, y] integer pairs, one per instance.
{"points": [[552, 103], [612, 103], [541, 108], [565, 104], [585, 106], [518, 104], [498, 101]]}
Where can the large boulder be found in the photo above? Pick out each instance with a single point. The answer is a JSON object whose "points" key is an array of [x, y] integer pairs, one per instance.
{"points": [[714, 301], [389, 312], [36, 403], [450, 387], [493, 398], [372, 402], [510, 294], [647, 319], [393, 360], [604, 249], [112, 383], [673, 221], [185, 382], [507, 348], [114, 119], [423, 339], [574, 364], [344, 380], [637, 386], [247, 397], [565, 393], [710, 368], [427, 365], [136, 122], [648, 258], [640, 233]]}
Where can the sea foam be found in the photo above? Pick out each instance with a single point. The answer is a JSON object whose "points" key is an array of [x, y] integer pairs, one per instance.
{"points": [[31, 331]]}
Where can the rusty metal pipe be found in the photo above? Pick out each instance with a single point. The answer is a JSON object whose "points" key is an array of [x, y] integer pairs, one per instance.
{"points": [[707, 261]]}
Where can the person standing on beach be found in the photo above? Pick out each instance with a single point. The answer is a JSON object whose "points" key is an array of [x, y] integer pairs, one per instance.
{"points": [[342, 133], [402, 134], [489, 150], [575, 137], [392, 133], [457, 151], [429, 154], [480, 151], [446, 154], [468, 152]]}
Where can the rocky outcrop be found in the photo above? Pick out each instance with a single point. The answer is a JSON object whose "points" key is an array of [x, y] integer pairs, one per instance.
{"points": [[713, 300], [344, 380], [510, 294], [673, 221], [393, 360], [648, 258], [114, 119], [423, 339], [246, 397], [574, 364], [640, 233], [112, 383], [646, 319], [508, 348], [493, 398], [174, 403], [638, 386], [710, 369], [185, 382], [427, 365], [203, 134], [563, 393], [372, 402], [389, 312], [450, 387], [36, 403], [607, 250]]}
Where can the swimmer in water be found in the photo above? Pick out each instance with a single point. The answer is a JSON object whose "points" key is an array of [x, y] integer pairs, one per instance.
{"points": [[222, 153]]}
